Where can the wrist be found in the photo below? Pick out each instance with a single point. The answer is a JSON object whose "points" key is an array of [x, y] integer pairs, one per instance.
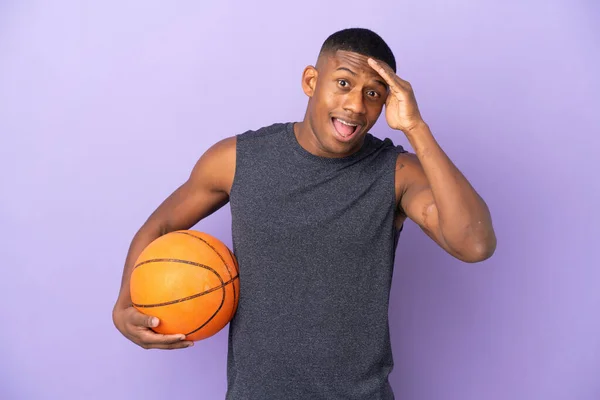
{"points": [[416, 128], [422, 141], [418, 132]]}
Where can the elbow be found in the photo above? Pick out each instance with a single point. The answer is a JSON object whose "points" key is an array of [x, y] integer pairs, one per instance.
{"points": [[480, 250], [474, 249]]}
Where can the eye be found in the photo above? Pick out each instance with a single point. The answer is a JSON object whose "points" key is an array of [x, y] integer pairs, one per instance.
{"points": [[372, 93], [343, 83]]}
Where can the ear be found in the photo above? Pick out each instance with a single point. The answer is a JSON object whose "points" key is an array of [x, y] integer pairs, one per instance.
{"points": [[309, 80]]}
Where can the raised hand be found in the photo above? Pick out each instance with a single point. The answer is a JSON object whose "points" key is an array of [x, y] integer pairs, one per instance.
{"points": [[401, 109]]}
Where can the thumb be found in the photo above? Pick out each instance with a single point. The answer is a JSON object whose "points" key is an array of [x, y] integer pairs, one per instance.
{"points": [[151, 322], [147, 321]]}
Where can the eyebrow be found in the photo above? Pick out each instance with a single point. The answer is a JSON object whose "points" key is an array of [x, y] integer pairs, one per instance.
{"points": [[346, 69], [382, 83]]}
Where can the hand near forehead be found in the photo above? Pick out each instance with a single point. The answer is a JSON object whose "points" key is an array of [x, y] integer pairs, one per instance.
{"points": [[401, 109]]}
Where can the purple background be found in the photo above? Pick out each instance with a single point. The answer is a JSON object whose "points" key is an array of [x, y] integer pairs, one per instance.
{"points": [[105, 107]]}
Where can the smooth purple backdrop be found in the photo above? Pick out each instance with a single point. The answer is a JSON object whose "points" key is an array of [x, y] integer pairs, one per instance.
{"points": [[105, 107]]}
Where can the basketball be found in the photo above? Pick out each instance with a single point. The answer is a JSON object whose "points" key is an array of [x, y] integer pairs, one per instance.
{"points": [[189, 280]]}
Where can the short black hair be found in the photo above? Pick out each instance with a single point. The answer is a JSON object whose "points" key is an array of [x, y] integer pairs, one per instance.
{"points": [[362, 41]]}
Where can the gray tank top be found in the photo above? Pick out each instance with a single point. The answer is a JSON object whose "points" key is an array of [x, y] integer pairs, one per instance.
{"points": [[315, 240]]}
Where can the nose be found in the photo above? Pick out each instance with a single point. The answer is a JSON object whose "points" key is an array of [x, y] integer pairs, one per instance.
{"points": [[354, 102]]}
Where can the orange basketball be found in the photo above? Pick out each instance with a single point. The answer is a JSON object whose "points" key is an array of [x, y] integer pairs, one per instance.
{"points": [[189, 280]]}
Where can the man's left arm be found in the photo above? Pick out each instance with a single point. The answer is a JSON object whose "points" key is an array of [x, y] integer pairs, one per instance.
{"points": [[438, 197], [434, 193]]}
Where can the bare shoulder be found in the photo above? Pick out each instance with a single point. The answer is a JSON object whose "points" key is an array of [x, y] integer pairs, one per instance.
{"points": [[408, 169], [216, 167], [409, 160], [410, 178]]}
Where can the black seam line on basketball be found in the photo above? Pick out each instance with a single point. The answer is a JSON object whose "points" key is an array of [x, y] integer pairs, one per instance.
{"points": [[211, 246], [223, 293], [218, 255], [176, 260], [167, 303], [222, 259], [237, 271], [212, 316]]}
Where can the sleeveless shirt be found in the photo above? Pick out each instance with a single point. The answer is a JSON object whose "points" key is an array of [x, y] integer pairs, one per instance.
{"points": [[315, 241]]}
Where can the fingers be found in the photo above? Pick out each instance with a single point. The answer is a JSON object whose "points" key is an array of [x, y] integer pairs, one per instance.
{"points": [[175, 346], [139, 328], [394, 81], [139, 319], [386, 74], [148, 339]]}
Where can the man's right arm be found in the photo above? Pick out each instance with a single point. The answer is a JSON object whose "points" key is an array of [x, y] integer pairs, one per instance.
{"points": [[206, 190]]}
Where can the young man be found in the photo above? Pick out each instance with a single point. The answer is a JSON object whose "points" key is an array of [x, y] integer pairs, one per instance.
{"points": [[317, 208]]}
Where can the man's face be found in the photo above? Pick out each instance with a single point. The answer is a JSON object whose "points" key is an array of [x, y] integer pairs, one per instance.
{"points": [[346, 99]]}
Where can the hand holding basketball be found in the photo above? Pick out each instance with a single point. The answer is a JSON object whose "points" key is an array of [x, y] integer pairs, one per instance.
{"points": [[189, 280], [137, 327], [184, 287]]}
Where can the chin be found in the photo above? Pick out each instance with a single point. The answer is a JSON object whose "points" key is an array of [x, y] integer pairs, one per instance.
{"points": [[342, 148]]}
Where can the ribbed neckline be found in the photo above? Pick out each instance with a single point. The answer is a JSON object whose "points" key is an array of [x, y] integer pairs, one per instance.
{"points": [[297, 147]]}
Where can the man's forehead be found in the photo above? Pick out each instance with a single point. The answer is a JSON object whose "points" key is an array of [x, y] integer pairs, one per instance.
{"points": [[350, 56], [356, 62], [352, 62], [347, 57]]}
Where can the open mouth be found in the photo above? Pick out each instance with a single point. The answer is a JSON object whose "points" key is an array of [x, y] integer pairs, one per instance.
{"points": [[345, 129]]}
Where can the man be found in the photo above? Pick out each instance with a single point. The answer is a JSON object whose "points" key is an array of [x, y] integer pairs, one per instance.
{"points": [[317, 208]]}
